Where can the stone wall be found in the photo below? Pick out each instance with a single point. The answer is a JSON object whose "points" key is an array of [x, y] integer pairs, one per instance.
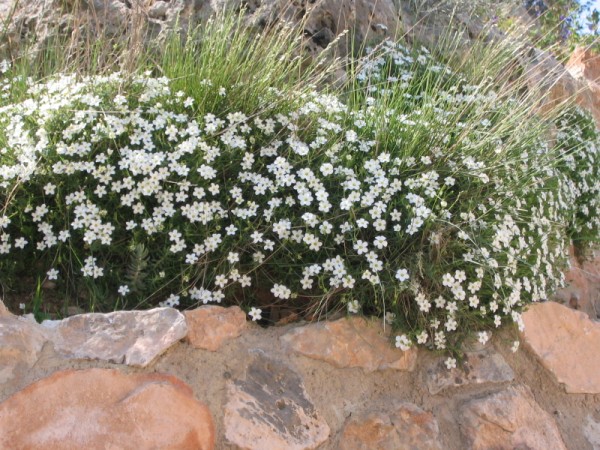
{"points": [[207, 379]]}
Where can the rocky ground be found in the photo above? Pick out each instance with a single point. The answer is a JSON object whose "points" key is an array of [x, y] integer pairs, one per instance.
{"points": [[207, 378]]}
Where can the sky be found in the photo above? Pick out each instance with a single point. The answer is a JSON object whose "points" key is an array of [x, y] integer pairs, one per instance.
{"points": [[595, 5]]}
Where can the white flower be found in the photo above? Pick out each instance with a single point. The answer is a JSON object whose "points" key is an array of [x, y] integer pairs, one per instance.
{"points": [[450, 363], [402, 275], [403, 343], [123, 290], [52, 274], [361, 247], [448, 280], [22, 306], [20, 242], [49, 189], [280, 291], [255, 313], [390, 317], [380, 242], [326, 169], [515, 346], [353, 307], [483, 337]]}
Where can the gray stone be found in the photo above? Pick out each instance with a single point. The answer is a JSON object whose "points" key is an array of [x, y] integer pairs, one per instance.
{"points": [[591, 431], [477, 368], [158, 10], [135, 338], [271, 409]]}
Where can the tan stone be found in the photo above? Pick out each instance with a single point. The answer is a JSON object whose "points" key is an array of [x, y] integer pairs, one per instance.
{"points": [[129, 337], [270, 409], [582, 290], [566, 342], [209, 327], [20, 344], [508, 420], [350, 342], [477, 368], [406, 428], [105, 409], [3, 309]]}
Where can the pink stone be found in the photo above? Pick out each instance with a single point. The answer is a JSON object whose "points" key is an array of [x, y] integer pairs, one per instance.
{"points": [[106, 409]]}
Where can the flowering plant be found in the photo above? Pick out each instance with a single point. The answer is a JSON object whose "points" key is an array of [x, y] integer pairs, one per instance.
{"points": [[425, 196]]}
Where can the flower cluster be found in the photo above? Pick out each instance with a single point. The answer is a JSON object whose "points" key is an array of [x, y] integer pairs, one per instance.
{"points": [[415, 204]]}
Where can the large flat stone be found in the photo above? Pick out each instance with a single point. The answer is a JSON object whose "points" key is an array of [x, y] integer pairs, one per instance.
{"points": [[209, 327], [567, 343], [508, 420], [105, 409], [127, 337], [477, 368], [408, 427], [350, 342], [21, 341], [270, 409]]}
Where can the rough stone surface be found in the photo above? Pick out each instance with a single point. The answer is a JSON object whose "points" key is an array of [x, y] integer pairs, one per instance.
{"points": [[477, 368], [508, 420], [3, 310], [584, 63], [566, 342], [105, 409], [131, 337], [20, 344], [591, 431], [350, 342], [209, 327], [407, 427], [270, 409], [582, 291]]}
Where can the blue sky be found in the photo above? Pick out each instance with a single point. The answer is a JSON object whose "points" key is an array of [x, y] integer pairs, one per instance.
{"points": [[595, 5]]}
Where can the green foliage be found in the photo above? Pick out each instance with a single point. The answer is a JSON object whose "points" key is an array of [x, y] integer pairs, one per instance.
{"points": [[430, 196]]}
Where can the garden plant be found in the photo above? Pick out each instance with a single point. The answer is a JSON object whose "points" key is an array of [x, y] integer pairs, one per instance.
{"points": [[430, 189]]}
